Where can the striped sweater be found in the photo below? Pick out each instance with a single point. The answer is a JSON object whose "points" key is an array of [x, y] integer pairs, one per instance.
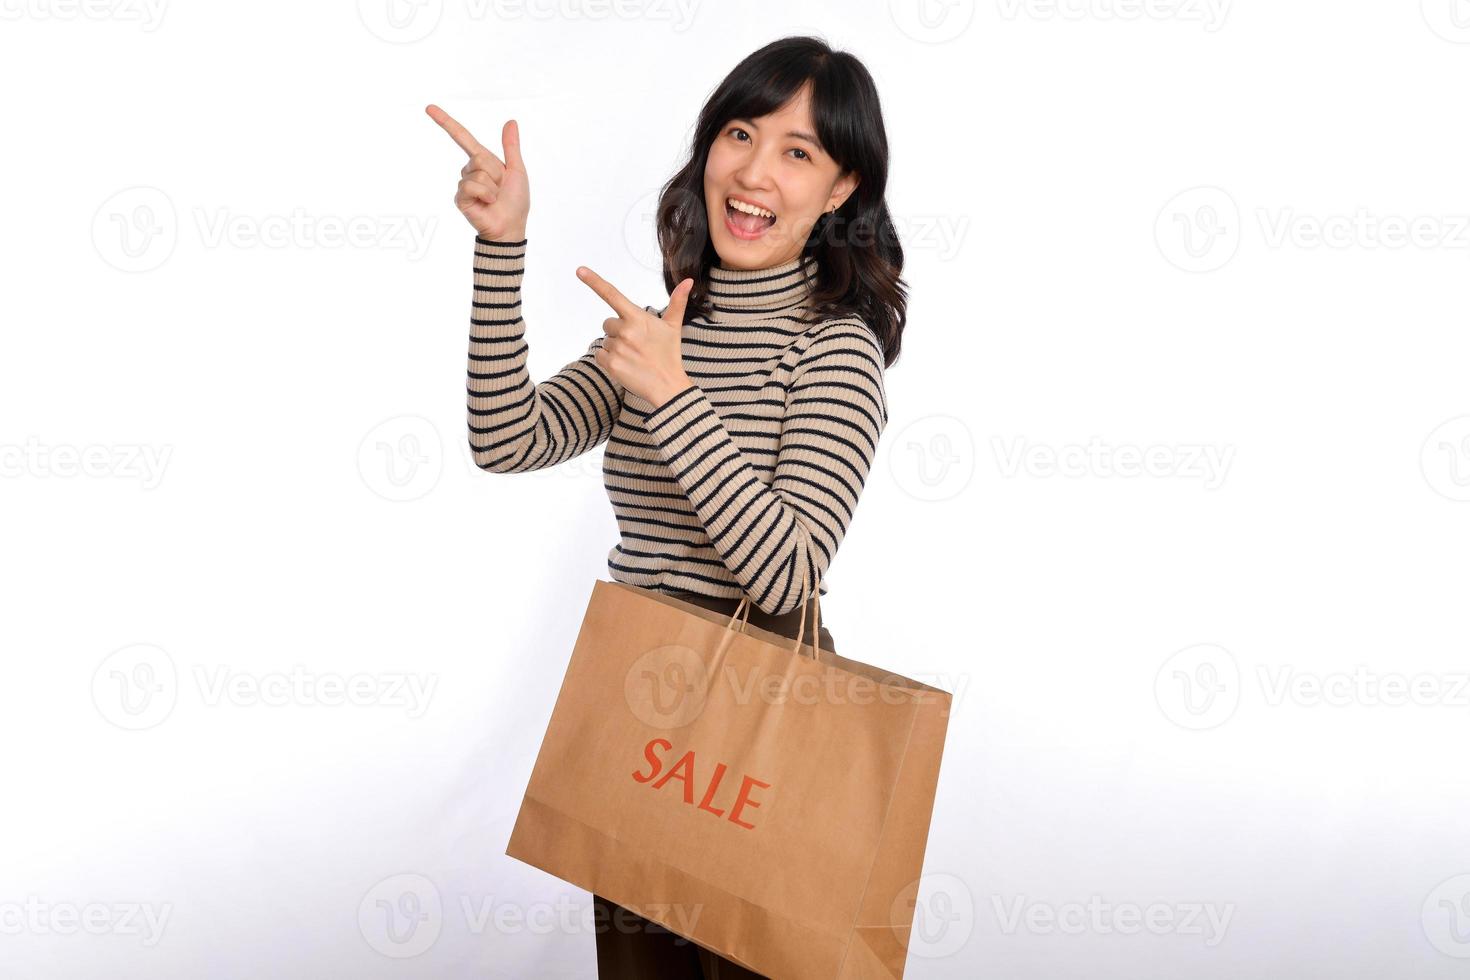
{"points": [[738, 483]]}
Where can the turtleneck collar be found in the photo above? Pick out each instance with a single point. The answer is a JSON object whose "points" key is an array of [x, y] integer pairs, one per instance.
{"points": [[770, 291]]}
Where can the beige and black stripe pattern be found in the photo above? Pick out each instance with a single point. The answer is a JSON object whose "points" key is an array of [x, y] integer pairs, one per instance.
{"points": [[735, 484]]}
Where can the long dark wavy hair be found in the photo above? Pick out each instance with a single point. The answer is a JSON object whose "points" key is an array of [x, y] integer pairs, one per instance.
{"points": [[859, 257]]}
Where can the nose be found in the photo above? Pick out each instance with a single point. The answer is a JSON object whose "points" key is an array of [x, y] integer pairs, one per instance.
{"points": [[755, 171]]}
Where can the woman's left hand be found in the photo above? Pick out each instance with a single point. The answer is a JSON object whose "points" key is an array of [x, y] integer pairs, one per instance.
{"points": [[643, 352]]}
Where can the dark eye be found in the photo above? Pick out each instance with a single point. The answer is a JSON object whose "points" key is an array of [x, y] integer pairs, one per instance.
{"points": [[737, 129], [804, 154]]}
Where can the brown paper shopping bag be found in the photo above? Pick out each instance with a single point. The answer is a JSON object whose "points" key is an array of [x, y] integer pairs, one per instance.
{"points": [[761, 796]]}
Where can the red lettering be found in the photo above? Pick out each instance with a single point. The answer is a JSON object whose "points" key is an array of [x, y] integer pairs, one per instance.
{"points": [[743, 800], [709, 794], [652, 759], [683, 770]]}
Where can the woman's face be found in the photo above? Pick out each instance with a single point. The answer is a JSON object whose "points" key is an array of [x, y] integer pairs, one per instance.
{"points": [[774, 163]]}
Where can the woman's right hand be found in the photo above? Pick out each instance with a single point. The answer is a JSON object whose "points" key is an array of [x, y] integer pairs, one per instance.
{"points": [[494, 195]]}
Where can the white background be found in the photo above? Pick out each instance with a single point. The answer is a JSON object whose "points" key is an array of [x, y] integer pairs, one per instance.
{"points": [[1233, 232]]}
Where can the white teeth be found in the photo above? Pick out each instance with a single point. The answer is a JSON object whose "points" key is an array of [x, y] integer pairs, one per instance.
{"points": [[749, 208]]}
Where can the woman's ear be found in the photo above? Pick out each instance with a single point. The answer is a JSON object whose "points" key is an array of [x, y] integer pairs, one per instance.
{"points": [[842, 190]]}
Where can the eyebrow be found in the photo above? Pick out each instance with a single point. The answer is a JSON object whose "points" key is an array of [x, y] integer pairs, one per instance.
{"points": [[795, 133]]}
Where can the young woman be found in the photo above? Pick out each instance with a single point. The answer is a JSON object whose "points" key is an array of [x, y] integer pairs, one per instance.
{"points": [[742, 418]]}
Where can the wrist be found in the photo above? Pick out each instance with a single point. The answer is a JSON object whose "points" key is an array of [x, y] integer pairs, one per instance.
{"points": [[512, 237], [664, 395]]}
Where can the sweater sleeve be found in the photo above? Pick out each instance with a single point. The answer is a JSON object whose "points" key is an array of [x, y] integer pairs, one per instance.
{"points": [[516, 426], [836, 409]]}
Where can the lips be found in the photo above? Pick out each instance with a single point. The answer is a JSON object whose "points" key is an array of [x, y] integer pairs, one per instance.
{"points": [[743, 224]]}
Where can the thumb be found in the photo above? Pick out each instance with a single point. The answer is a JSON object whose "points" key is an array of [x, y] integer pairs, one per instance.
{"points": [[510, 141], [678, 299]]}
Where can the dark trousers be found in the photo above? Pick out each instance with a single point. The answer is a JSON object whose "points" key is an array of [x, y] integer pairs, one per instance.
{"points": [[630, 947]]}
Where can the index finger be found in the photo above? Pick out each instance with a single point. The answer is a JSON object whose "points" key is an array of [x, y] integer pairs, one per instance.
{"points": [[624, 306], [458, 133]]}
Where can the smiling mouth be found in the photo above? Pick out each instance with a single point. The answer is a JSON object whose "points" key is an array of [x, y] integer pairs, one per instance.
{"points": [[744, 223]]}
